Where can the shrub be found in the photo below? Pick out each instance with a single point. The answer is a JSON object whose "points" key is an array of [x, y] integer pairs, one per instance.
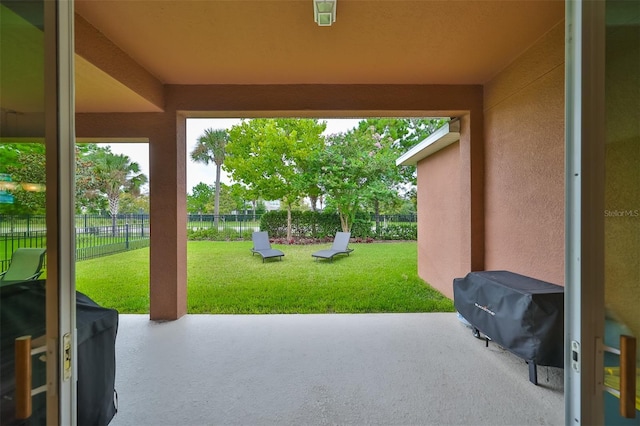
{"points": [[275, 223], [306, 224], [318, 226], [212, 234], [247, 234], [362, 227], [402, 231]]}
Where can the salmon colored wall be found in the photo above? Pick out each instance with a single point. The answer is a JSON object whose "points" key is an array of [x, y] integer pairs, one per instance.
{"points": [[439, 228], [524, 163]]}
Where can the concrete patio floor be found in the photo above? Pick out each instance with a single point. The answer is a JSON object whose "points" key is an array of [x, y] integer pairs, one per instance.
{"points": [[375, 369]]}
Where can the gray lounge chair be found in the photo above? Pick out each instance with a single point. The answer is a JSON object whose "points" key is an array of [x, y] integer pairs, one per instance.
{"points": [[340, 246], [26, 265], [262, 246]]}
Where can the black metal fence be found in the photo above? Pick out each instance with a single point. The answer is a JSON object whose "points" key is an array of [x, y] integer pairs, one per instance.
{"points": [[239, 223], [100, 235], [95, 235], [101, 240]]}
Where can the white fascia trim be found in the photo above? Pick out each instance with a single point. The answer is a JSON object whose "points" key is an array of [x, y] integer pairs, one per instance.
{"points": [[443, 137]]}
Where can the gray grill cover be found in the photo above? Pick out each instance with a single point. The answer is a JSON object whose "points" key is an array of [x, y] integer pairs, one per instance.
{"points": [[521, 314], [23, 312]]}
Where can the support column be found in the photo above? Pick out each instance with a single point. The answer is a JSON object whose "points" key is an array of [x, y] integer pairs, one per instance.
{"points": [[472, 190], [168, 263], [166, 133]]}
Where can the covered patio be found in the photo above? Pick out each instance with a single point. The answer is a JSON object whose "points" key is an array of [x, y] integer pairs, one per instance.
{"points": [[391, 369], [140, 75], [495, 66], [499, 198]]}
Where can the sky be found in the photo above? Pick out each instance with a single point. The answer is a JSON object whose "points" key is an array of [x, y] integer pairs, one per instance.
{"points": [[197, 172]]}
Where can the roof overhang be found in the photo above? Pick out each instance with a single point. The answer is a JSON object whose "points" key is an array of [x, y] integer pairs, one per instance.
{"points": [[443, 137]]}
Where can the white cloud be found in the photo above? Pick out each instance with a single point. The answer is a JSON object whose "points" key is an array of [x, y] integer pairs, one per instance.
{"points": [[197, 172]]}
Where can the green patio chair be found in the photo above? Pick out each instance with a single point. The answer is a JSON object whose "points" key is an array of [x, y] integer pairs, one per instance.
{"points": [[26, 265], [340, 246]]}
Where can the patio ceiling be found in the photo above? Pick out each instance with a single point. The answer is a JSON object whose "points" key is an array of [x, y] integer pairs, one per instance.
{"points": [[277, 42], [127, 50]]}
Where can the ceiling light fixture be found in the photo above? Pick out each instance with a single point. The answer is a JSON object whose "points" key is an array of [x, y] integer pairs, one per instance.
{"points": [[324, 12]]}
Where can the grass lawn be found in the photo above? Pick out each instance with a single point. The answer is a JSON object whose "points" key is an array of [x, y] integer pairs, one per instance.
{"points": [[223, 278]]}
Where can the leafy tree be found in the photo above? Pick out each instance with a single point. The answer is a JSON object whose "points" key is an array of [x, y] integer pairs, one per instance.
{"points": [[96, 175], [241, 197], [29, 177], [412, 197], [405, 133], [116, 174], [132, 204], [228, 203], [211, 149], [88, 197], [10, 153], [269, 157], [383, 189], [407, 205], [356, 167], [306, 164], [24, 163], [201, 199]]}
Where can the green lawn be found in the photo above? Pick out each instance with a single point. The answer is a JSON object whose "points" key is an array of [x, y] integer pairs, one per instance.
{"points": [[223, 277]]}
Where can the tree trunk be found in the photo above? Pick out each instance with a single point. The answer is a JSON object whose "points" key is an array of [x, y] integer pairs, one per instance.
{"points": [[344, 222], [289, 222], [114, 224], [376, 207], [216, 201], [114, 204], [314, 202]]}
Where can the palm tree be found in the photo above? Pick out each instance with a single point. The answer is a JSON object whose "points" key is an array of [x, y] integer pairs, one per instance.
{"points": [[115, 174], [211, 149]]}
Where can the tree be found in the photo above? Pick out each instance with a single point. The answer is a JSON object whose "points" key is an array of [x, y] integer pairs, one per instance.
{"points": [[405, 133], [10, 153], [132, 204], [306, 164], [24, 163], [356, 167], [201, 199], [269, 156], [211, 149], [227, 202], [88, 197], [29, 178], [115, 174], [243, 195]]}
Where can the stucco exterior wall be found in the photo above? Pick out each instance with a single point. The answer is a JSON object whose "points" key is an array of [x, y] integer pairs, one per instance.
{"points": [[524, 163], [439, 228]]}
